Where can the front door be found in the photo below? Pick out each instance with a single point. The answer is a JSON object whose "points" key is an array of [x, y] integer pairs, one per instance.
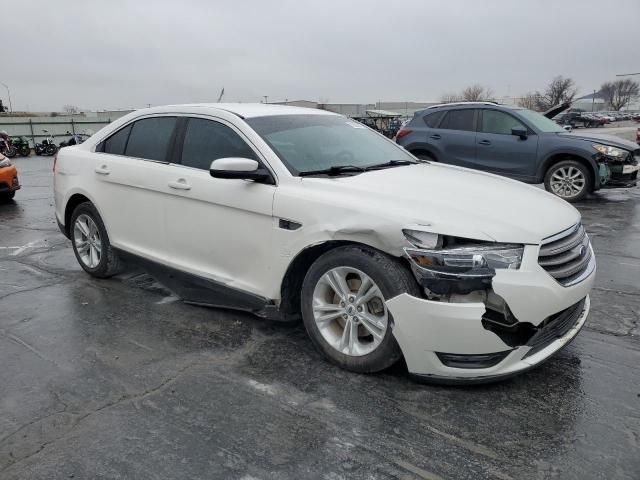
{"points": [[498, 151], [219, 229]]}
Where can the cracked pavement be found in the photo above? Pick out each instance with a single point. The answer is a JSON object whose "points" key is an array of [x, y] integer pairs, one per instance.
{"points": [[118, 379]]}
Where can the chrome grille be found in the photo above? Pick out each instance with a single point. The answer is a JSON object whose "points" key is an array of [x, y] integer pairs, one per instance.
{"points": [[567, 256]]}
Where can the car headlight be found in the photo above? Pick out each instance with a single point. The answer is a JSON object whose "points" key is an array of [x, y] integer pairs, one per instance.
{"points": [[461, 258], [609, 151], [5, 163]]}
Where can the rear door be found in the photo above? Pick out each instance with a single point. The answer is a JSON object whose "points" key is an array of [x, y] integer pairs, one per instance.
{"points": [[498, 151], [456, 136], [221, 229], [131, 170]]}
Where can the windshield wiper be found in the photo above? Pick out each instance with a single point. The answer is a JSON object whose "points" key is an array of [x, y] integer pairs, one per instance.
{"points": [[390, 163], [335, 170]]}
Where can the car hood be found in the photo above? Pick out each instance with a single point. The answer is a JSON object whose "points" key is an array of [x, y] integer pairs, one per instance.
{"points": [[450, 200], [601, 138]]}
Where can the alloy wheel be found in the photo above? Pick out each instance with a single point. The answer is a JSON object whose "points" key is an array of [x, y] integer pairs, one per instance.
{"points": [[349, 311], [567, 182], [86, 238]]}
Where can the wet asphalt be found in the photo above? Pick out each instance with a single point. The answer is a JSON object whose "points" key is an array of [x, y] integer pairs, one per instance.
{"points": [[117, 379]]}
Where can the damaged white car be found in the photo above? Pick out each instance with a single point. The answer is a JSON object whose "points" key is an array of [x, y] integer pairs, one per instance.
{"points": [[290, 212]]}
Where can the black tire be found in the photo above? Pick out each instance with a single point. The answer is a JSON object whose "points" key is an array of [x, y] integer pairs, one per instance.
{"points": [[5, 197], [51, 150], [424, 156], [109, 263], [389, 274], [588, 184], [25, 151], [11, 152]]}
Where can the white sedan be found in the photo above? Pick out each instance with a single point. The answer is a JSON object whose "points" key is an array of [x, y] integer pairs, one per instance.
{"points": [[296, 213]]}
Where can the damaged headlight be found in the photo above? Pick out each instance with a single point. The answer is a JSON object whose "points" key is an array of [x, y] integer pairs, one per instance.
{"points": [[609, 151], [468, 261]]}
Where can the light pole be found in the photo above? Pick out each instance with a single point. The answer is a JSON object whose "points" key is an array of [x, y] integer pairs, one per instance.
{"points": [[9, 94]]}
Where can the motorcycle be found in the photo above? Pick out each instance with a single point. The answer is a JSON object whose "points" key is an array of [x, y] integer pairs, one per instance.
{"points": [[76, 139], [7, 148], [22, 145], [47, 147]]}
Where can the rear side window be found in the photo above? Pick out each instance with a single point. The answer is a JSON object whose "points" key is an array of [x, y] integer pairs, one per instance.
{"points": [[206, 141], [117, 142], [150, 138], [458, 120], [433, 119], [501, 123]]}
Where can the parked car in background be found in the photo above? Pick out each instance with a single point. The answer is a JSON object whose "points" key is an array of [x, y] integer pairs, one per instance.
{"points": [[523, 145], [9, 183], [289, 212]]}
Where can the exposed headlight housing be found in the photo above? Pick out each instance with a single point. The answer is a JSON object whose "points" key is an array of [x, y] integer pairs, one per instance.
{"points": [[461, 267], [609, 151], [5, 162]]}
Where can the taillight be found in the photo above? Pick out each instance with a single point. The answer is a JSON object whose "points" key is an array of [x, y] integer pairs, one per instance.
{"points": [[55, 159], [403, 133]]}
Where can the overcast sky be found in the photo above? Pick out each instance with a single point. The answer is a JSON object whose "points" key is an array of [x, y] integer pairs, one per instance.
{"points": [[122, 54]]}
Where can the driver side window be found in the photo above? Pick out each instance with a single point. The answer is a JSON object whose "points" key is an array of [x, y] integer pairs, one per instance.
{"points": [[497, 122], [206, 141]]}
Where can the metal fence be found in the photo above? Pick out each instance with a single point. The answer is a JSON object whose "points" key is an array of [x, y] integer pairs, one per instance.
{"points": [[34, 127]]}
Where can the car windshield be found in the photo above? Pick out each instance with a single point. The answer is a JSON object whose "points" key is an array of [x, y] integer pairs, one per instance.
{"points": [[541, 122], [312, 143]]}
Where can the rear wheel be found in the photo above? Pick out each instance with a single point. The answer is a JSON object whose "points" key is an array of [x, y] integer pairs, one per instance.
{"points": [[5, 197], [424, 156], [25, 151], [569, 180], [344, 309], [91, 243]]}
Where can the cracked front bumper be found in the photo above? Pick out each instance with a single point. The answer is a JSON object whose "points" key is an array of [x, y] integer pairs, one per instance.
{"points": [[425, 328]]}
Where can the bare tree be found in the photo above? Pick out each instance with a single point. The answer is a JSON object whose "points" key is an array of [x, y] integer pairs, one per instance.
{"points": [[70, 109], [450, 98], [529, 100], [560, 90], [477, 93], [618, 93]]}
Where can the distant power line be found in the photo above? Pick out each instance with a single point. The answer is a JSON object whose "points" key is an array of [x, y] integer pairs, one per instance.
{"points": [[627, 74]]}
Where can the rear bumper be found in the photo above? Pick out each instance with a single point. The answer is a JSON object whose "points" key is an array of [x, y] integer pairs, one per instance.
{"points": [[429, 332]]}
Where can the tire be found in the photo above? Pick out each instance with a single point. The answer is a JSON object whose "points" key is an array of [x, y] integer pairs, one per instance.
{"points": [[5, 197], [108, 263], [11, 152], [51, 150], [25, 151], [424, 156], [560, 180], [389, 277]]}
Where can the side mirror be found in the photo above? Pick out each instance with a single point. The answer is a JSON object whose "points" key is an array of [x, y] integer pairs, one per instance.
{"points": [[239, 168], [519, 132]]}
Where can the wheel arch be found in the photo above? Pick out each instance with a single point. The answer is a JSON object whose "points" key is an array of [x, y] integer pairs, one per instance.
{"points": [[75, 199], [291, 285], [560, 156]]}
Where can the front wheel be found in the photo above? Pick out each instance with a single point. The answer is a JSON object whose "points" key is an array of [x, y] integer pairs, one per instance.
{"points": [[11, 151], [91, 243], [344, 310], [569, 180], [51, 149]]}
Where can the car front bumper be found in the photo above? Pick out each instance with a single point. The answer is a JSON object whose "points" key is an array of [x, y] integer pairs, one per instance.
{"points": [[427, 329]]}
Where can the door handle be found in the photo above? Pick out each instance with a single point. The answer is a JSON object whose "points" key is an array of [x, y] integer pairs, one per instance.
{"points": [[181, 184], [484, 142], [435, 136], [102, 170]]}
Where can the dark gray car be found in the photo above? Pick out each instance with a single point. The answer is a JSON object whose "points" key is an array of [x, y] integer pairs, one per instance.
{"points": [[521, 144]]}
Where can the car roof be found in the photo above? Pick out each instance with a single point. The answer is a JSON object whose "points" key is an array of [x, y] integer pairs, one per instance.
{"points": [[460, 105], [244, 110]]}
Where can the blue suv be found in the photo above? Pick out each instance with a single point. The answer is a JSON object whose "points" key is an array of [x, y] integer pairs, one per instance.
{"points": [[523, 145]]}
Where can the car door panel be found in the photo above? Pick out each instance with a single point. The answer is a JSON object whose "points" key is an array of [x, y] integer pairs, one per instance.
{"points": [[456, 138], [498, 151], [217, 228], [131, 190]]}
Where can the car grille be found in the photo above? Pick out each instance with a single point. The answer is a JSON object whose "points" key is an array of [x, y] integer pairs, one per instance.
{"points": [[554, 327], [567, 256]]}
